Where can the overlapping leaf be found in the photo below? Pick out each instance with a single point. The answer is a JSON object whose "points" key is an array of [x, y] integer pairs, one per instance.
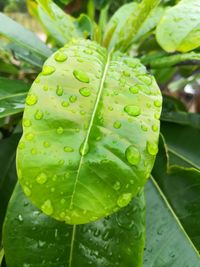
{"points": [[117, 240], [90, 133]]}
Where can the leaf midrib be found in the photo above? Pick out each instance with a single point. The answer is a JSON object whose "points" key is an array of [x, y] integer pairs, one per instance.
{"points": [[91, 124]]}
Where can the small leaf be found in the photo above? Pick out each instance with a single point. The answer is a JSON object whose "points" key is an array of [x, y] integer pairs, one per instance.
{"points": [[12, 96], [179, 28], [22, 37], [117, 240], [86, 153]]}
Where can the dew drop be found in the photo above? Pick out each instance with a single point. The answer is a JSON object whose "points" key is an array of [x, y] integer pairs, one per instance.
{"points": [[152, 148], [65, 104], [133, 155], [60, 130], [33, 151], [85, 91], [60, 57], [68, 149], [157, 103], [31, 99], [124, 199], [27, 191], [59, 90], [38, 115], [41, 178], [134, 89], [73, 98], [48, 70], [117, 186], [46, 144], [29, 136], [47, 207], [117, 124], [144, 128], [26, 123], [81, 76], [21, 145], [147, 79], [133, 110], [155, 128], [126, 73], [157, 116], [84, 149]]}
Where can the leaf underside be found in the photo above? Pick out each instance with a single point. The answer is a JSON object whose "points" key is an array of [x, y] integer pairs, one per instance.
{"points": [[91, 126]]}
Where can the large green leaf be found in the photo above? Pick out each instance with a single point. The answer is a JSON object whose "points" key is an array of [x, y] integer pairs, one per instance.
{"points": [[126, 23], [34, 239], [167, 243], [12, 96], [23, 37], [8, 175], [180, 183], [91, 127], [179, 28], [61, 26]]}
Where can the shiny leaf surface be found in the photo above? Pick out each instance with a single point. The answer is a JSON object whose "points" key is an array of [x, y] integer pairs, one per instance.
{"points": [[179, 28], [12, 96], [91, 127], [117, 240]]}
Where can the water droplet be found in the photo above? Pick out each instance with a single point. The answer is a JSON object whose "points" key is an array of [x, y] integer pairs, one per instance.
{"points": [[33, 151], [48, 70], [85, 91], [126, 73], [157, 116], [26, 123], [155, 128], [81, 76], [68, 149], [21, 145], [41, 178], [147, 79], [157, 103], [20, 218], [132, 110], [31, 99], [60, 57], [124, 199], [60, 130], [134, 89], [65, 104], [46, 144], [144, 128], [37, 80], [29, 136], [27, 191], [47, 207], [152, 148], [41, 243], [73, 98], [84, 149], [133, 155], [117, 186], [38, 115], [59, 90], [117, 124], [45, 87]]}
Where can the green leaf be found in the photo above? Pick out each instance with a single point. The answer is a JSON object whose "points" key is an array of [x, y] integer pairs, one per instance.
{"points": [[91, 125], [12, 96], [184, 149], [8, 68], [167, 243], [8, 175], [22, 37], [126, 23], [99, 4], [117, 240], [61, 26], [180, 183], [179, 28]]}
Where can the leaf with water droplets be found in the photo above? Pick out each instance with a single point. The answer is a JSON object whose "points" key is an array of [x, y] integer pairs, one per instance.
{"points": [[179, 28], [91, 131], [100, 244]]}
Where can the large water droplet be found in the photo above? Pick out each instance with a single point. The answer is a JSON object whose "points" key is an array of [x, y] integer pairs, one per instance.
{"points": [[133, 155], [152, 148], [38, 115], [31, 99], [133, 110], [124, 199], [60, 57], [81, 76], [85, 91], [68, 149], [157, 103], [117, 124], [41, 178], [48, 70], [59, 90], [84, 148], [47, 207]]}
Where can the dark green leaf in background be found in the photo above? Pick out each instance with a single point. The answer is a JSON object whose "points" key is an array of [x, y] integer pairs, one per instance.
{"points": [[39, 240]]}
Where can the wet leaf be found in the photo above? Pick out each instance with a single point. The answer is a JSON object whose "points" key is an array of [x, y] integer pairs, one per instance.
{"points": [[88, 126]]}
